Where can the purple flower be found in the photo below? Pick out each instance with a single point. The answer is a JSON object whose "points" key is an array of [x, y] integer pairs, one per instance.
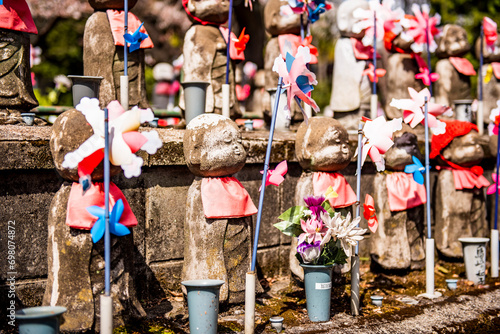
{"points": [[314, 204], [309, 252]]}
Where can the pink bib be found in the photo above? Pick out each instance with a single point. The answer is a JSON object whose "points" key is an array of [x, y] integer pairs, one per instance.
{"points": [[496, 69], [465, 179], [462, 65], [403, 192], [323, 180], [225, 197], [77, 215], [16, 15], [116, 22]]}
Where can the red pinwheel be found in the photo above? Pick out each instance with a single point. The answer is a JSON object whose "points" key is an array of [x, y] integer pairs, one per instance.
{"points": [[297, 78], [370, 214], [493, 188], [495, 120], [379, 72], [424, 76], [417, 28], [378, 139], [490, 31], [413, 110], [276, 176], [241, 42]]}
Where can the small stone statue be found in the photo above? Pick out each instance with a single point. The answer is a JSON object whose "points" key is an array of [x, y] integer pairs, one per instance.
{"points": [[103, 52], [218, 224], [16, 91], [398, 242], [351, 89], [322, 149], [454, 70], [205, 53], [166, 87], [75, 264], [460, 209]]}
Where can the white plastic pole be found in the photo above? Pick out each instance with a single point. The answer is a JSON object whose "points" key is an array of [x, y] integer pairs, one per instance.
{"points": [[480, 117], [225, 100], [429, 267], [106, 314], [355, 285], [124, 91], [373, 106], [308, 110], [250, 303], [494, 253]]}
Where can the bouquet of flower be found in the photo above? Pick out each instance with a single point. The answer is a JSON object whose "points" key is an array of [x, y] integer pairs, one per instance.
{"points": [[324, 236]]}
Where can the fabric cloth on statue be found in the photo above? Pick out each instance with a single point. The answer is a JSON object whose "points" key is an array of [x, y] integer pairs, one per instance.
{"points": [[77, 215], [225, 197], [323, 180], [16, 15], [362, 52], [116, 22], [496, 69], [233, 52], [454, 129], [167, 88], [289, 43], [467, 178], [463, 65], [403, 192]]}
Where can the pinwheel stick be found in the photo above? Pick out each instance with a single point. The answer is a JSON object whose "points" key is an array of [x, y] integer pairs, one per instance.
{"points": [[428, 40], [494, 231], [229, 24], [355, 257], [374, 99], [497, 180], [124, 77], [250, 288], [479, 118], [106, 301]]}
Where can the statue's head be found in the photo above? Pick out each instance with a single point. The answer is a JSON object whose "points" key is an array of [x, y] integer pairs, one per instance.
{"points": [[400, 154], [111, 4], [346, 18], [210, 11], [453, 42]]}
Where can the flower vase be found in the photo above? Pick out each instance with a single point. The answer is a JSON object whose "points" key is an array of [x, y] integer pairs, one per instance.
{"points": [[203, 305], [195, 95], [475, 258], [84, 86], [40, 320], [318, 286]]}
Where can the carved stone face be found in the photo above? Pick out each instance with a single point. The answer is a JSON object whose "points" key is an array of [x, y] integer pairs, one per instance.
{"points": [[400, 154], [215, 11], [453, 42], [212, 146], [464, 150], [111, 4], [323, 145], [346, 19]]}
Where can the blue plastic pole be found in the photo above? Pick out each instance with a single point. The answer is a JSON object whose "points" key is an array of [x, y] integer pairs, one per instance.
{"points": [[125, 53], [107, 239], [481, 61], [428, 40], [427, 171], [264, 175], [496, 190], [358, 176], [229, 40], [374, 83]]}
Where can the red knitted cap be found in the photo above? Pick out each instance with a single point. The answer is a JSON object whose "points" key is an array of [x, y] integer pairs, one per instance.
{"points": [[453, 129]]}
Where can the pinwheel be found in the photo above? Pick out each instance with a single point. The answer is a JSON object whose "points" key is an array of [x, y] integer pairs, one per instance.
{"points": [[115, 227], [426, 77], [413, 110], [297, 6], [379, 72], [370, 214], [416, 28], [297, 78], [276, 176], [241, 42], [290, 43], [490, 32], [315, 8], [495, 120], [377, 139], [135, 39], [417, 169], [124, 142]]}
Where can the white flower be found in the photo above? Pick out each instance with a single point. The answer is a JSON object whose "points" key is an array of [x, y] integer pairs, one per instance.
{"points": [[349, 234]]}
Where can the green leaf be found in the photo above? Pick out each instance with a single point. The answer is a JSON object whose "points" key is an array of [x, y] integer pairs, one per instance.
{"points": [[289, 228], [326, 205], [294, 214]]}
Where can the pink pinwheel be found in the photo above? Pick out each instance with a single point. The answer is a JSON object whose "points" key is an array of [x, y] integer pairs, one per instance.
{"points": [[413, 110], [495, 120], [276, 176], [296, 77], [370, 214], [378, 139], [490, 32], [493, 188], [424, 76], [379, 72], [416, 28]]}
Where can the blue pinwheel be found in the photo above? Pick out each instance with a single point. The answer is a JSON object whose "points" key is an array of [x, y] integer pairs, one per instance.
{"points": [[135, 39], [115, 227], [314, 11], [417, 169]]}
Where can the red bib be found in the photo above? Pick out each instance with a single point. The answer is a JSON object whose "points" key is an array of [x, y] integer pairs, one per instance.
{"points": [[323, 180], [403, 192]]}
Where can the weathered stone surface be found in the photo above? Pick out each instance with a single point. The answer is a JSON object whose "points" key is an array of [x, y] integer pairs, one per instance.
{"points": [[452, 85], [16, 91], [102, 58], [205, 55], [166, 276], [111, 4]]}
